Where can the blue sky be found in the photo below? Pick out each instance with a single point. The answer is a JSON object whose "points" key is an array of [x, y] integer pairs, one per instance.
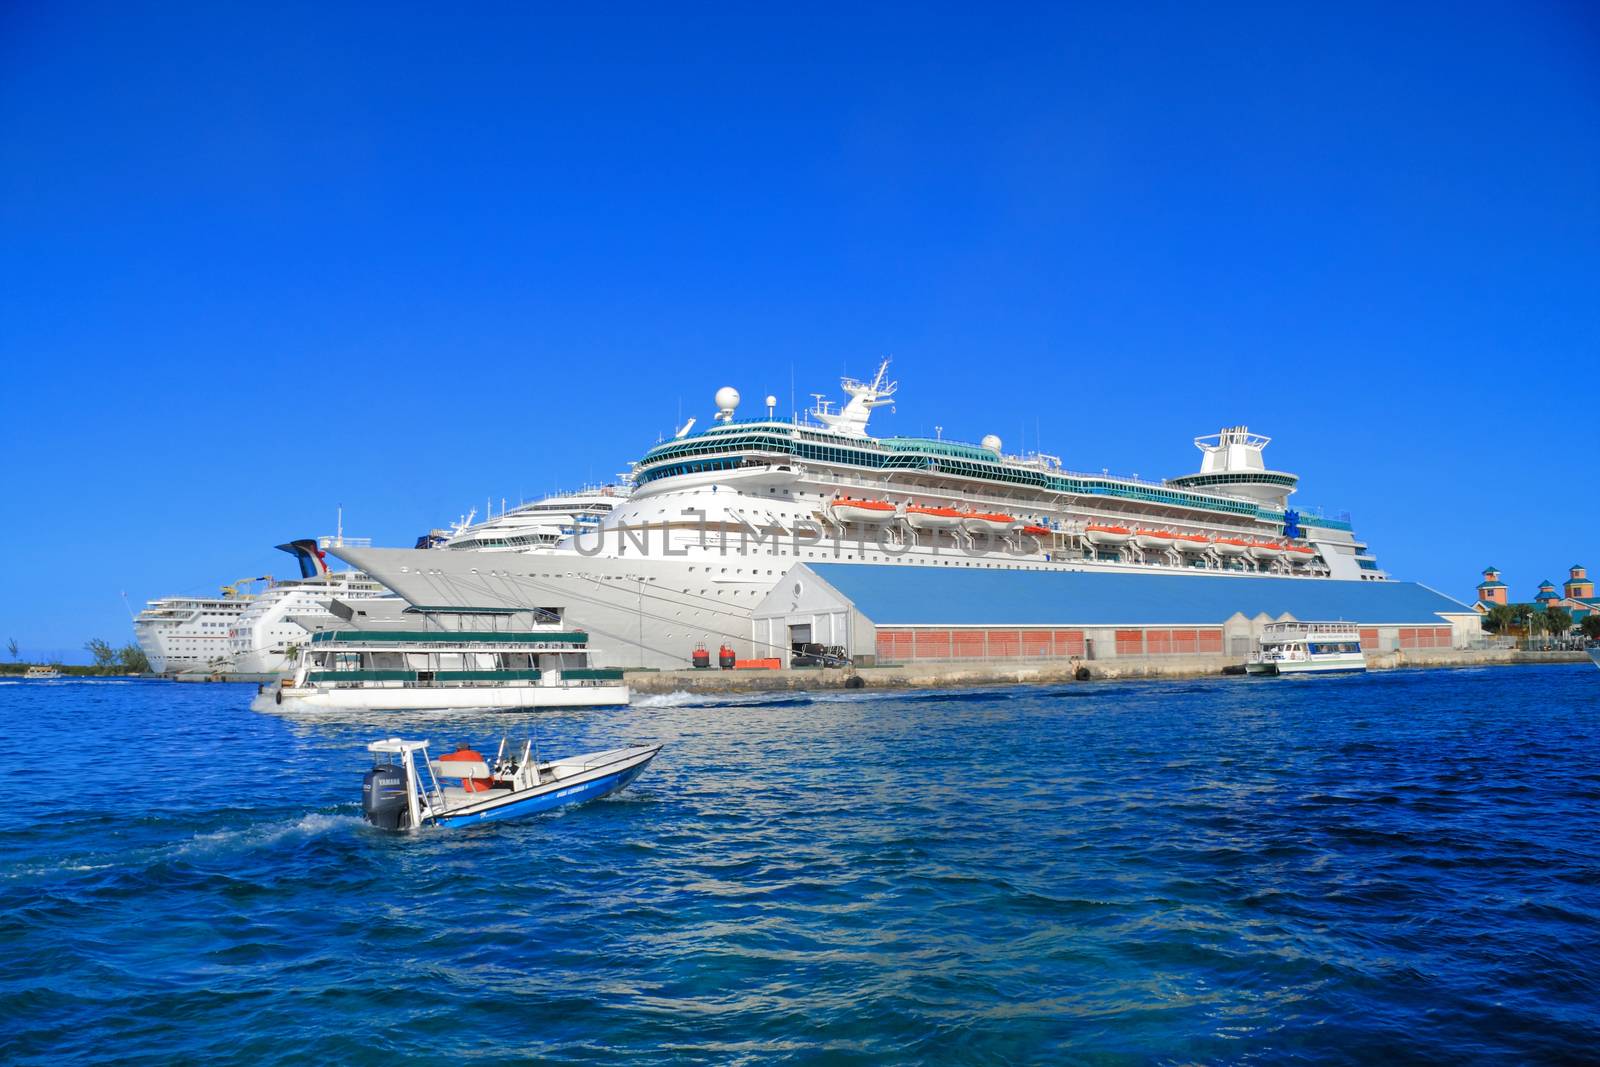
{"points": [[259, 264]]}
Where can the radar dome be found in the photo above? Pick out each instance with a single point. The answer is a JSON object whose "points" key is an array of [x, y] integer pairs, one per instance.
{"points": [[991, 442], [727, 401]]}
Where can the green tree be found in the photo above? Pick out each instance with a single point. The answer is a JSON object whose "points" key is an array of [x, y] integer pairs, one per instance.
{"points": [[1590, 625], [132, 659], [1557, 621], [105, 657], [1500, 618]]}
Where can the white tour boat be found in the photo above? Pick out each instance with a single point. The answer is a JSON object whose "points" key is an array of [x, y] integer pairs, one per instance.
{"points": [[444, 665], [1307, 648]]}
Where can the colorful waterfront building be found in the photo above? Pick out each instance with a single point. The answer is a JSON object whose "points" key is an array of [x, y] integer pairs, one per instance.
{"points": [[1491, 590], [1578, 586], [1576, 595]]}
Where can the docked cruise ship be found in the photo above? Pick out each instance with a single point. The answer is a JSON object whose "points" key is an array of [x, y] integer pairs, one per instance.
{"points": [[718, 517], [190, 633], [539, 525], [270, 632]]}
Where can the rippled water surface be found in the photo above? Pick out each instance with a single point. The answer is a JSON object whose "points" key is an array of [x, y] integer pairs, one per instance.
{"points": [[1399, 866]]}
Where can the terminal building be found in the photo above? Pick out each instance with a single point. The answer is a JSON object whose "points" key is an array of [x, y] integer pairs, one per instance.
{"points": [[887, 614]]}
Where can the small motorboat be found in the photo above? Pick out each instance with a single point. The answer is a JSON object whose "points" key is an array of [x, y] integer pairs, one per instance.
{"points": [[394, 795]]}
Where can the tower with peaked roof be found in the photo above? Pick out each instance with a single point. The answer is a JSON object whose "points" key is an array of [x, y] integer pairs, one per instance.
{"points": [[1578, 585], [1491, 590]]}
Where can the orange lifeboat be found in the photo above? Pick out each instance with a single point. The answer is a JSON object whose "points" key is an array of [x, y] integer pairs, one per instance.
{"points": [[1300, 554], [1230, 546], [988, 522], [1038, 531], [1107, 535], [1192, 543], [873, 511], [1155, 540], [1266, 550], [922, 517]]}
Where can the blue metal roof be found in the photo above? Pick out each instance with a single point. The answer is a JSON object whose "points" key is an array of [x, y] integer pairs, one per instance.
{"points": [[911, 595]]}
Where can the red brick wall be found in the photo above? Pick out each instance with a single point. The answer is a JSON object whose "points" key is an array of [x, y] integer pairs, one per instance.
{"points": [[1004, 644], [967, 644], [901, 644], [1424, 637], [1069, 642], [932, 644], [1369, 639]]}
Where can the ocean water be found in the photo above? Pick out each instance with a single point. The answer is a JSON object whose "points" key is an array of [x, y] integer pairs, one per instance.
{"points": [[1402, 866]]}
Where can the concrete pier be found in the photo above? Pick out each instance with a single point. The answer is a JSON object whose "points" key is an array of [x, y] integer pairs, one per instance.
{"points": [[1040, 672]]}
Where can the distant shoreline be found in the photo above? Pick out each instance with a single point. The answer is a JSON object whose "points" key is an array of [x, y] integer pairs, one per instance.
{"points": [[950, 675]]}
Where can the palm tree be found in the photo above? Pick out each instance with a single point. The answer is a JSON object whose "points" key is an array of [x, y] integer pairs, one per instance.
{"points": [[1557, 621], [1522, 618], [1500, 618]]}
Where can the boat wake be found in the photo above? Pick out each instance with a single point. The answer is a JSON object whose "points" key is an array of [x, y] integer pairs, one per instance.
{"points": [[678, 699], [314, 824]]}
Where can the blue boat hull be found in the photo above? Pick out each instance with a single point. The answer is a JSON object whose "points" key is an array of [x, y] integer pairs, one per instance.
{"points": [[593, 789]]}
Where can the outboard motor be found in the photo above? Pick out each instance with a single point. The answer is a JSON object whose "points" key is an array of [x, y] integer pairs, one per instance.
{"points": [[383, 797]]}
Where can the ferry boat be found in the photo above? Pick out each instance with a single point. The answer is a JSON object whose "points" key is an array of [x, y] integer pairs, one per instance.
{"points": [[445, 661], [717, 518], [189, 633], [267, 636], [39, 673], [1307, 648], [394, 796]]}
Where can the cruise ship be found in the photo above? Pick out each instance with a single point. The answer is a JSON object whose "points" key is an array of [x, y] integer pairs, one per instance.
{"points": [[190, 633], [718, 517], [539, 525], [269, 633]]}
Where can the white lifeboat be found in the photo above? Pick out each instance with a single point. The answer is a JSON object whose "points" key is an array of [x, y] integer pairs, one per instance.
{"points": [[988, 522], [1266, 550], [922, 517], [1192, 543], [1107, 535], [871, 511], [1155, 540], [1230, 546], [1300, 555]]}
